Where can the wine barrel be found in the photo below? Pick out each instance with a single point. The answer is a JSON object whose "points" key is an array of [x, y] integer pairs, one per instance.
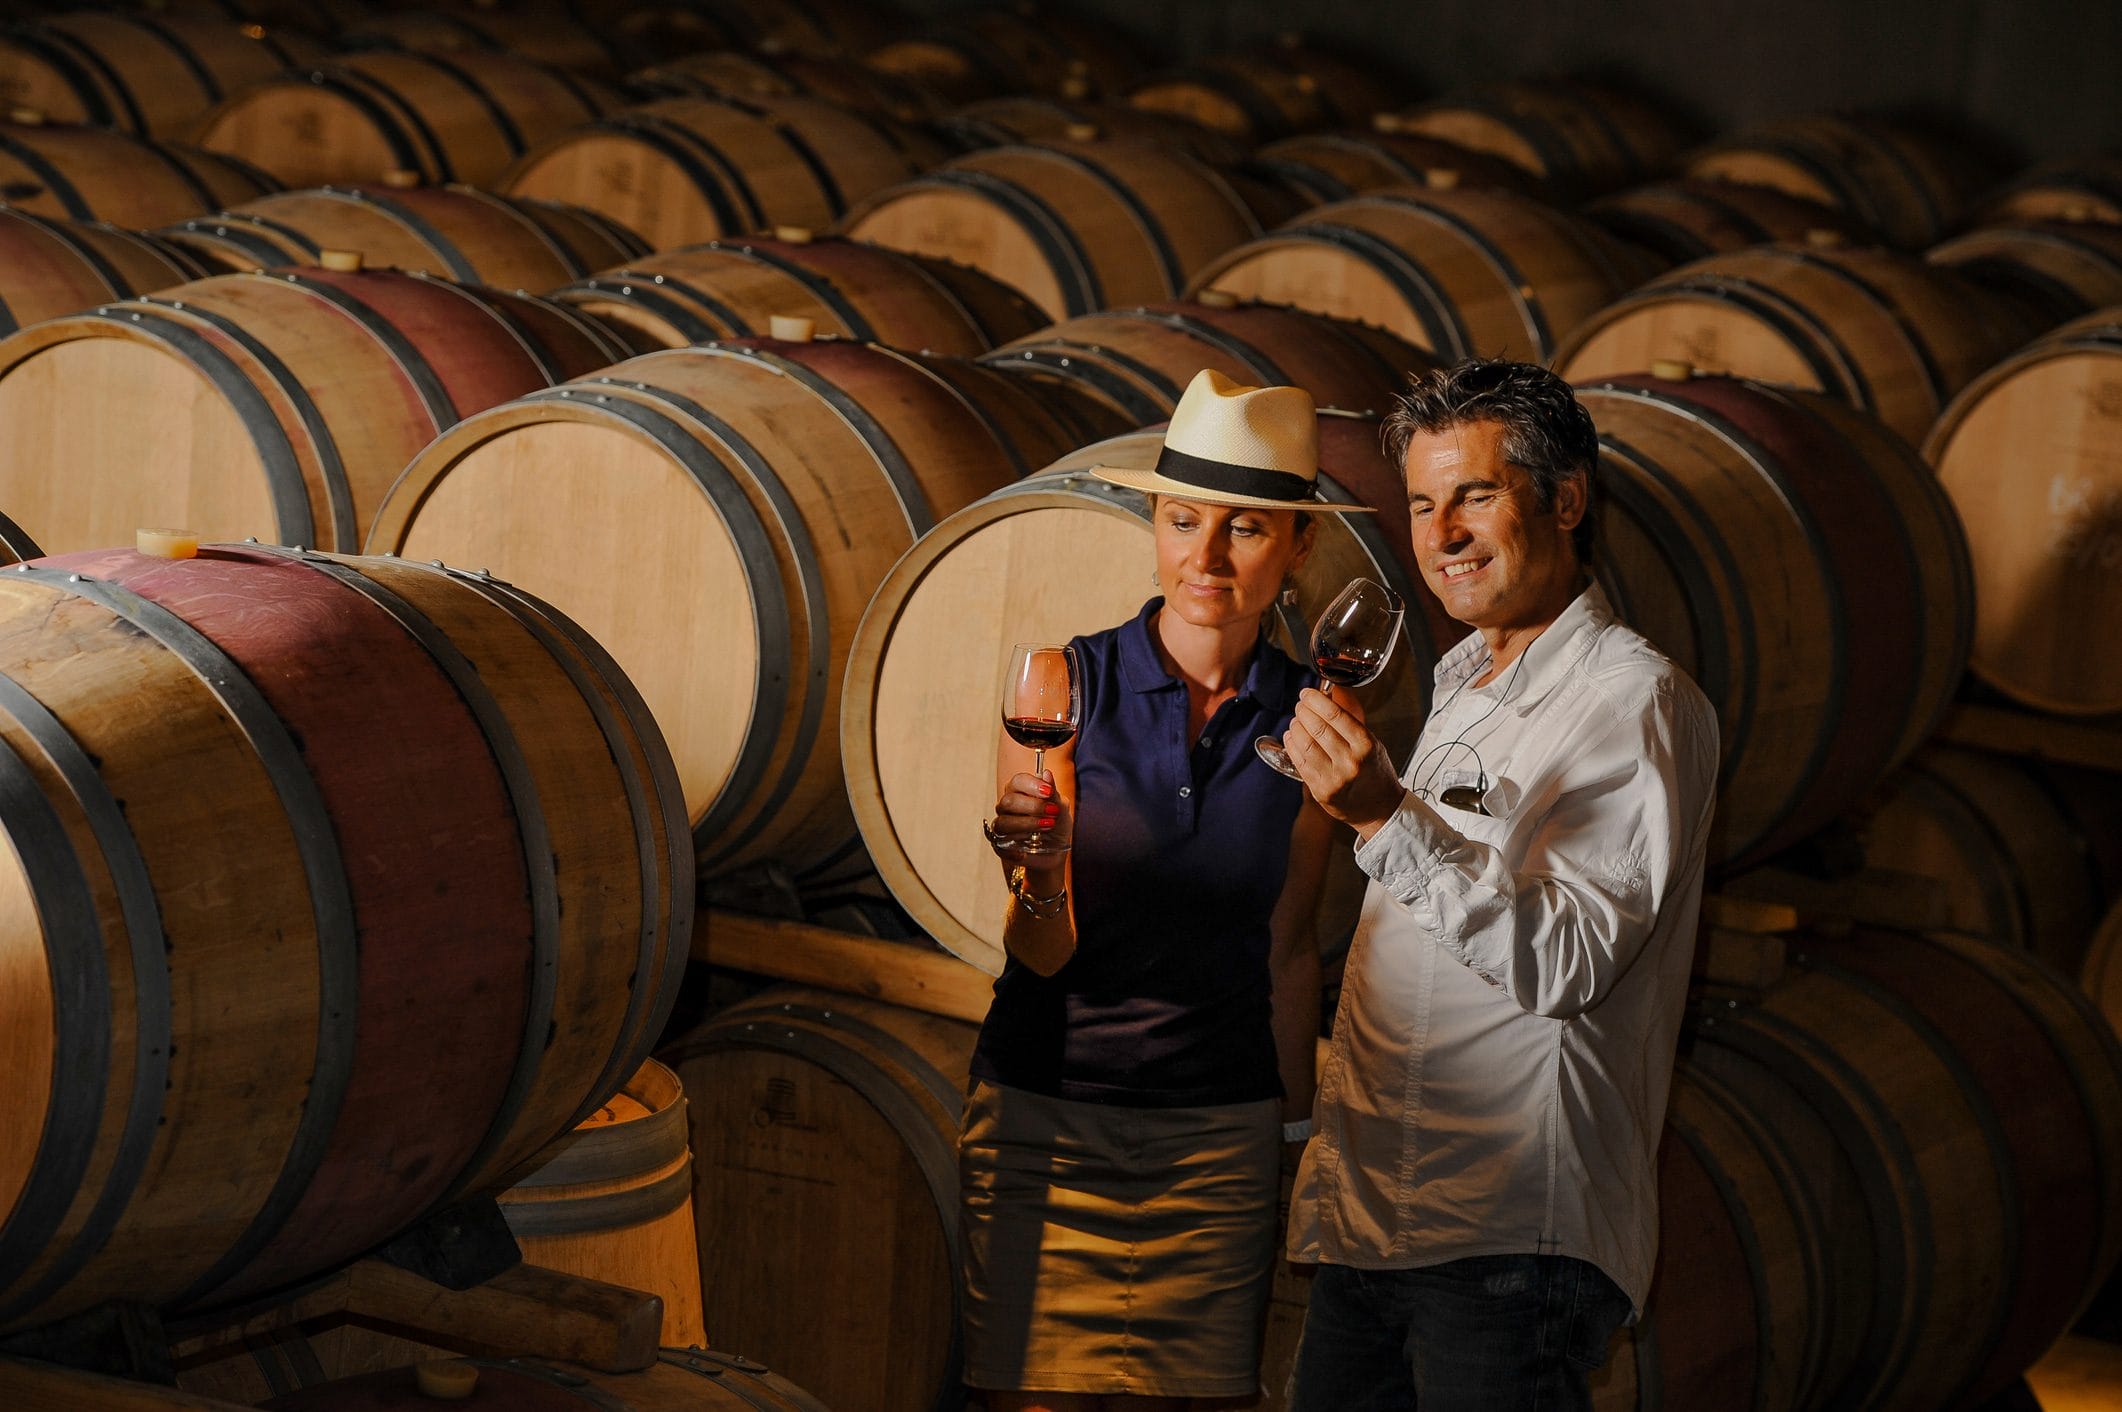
{"points": [[1077, 226], [680, 1380], [101, 174], [2046, 535], [655, 29], [1138, 361], [462, 118], [156, 76], [1907, 185], [1334, 166], [1690, 218], [1999, 847], [782, 480], [2101, 975], [431, 911], [728, 73], [2057, 270], [510, 242], [2085, 188], [1884, 331], [1034, 118], [1264, 94], [52, 267], [1580, 138], [1737, 1317], [277, 405], [1801, 564], [612, 1200], [986, 51], [544, 34], [1973, 1102], [1461, 273], [1057, 554], [824, 1131], [685, 170], [729, 289]]}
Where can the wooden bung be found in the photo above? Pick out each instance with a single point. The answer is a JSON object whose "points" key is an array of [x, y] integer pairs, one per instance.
{"points": [[402, 179], [26, 116], [791, 329], [1671, 369], [167, 544], [340, 261], [795, 235], [447, 1381]]}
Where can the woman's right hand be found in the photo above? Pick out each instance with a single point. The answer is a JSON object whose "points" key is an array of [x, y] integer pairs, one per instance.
{"points": [[1031, 807]]}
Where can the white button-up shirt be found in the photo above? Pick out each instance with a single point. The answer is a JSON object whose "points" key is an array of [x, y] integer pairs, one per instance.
{"points": [[1505, 1038]]}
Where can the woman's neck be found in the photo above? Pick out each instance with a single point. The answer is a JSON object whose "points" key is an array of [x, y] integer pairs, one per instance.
{"points": [[1212, 659]]}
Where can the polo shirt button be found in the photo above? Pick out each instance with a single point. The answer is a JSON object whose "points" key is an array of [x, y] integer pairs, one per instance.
{"points": [[1186, 791]]}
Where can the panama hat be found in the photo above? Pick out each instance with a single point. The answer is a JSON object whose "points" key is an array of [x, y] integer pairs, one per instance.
{"points": [[1229, 444]]}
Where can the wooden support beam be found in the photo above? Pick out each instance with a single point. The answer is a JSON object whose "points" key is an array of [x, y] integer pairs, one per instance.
{"points": [[2096, 745], [917, 976], [528, 1310], [47, 1387]]}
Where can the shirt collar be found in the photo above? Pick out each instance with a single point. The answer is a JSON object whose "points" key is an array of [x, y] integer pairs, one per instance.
{"points": [[1141, 669], [1547, 659]]}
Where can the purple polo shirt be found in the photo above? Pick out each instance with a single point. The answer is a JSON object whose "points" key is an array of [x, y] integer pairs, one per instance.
{"points": [[1180, 851]]}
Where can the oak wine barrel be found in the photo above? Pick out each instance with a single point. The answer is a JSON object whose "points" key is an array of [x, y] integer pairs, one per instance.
{"points": [[1138, 361], [612, 1200], [1077, 226], [838, 79], [653, 30], [101, 174], [824, 1131], [1580, 138], [2059, 270], [1801, 564], [1882, 330], [276, 405], [2087, 188], [429, 913], [2046, 530], [1908, 185], [1689, 218], [1969, 1101], [469, 235], [462, 118], [1334, 166], [983, 51], [685, 170], [153, 75], [781, 480], [544, 34], [1263, 94], [50, 267], [1054, 555], [1037, 117], [1461, 273], [680, 1380], [1996, 842], [734, 288]]}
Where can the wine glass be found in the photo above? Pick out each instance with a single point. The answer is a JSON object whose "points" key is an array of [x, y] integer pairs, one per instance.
{"points": [[1351, 644], [1039, 710]]}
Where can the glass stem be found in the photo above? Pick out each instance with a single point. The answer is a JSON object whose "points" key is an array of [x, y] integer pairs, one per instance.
{"points": [[1326, 689], [1038, 759]]}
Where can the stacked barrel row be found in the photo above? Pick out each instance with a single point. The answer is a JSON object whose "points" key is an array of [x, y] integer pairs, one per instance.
{"points": [[803, 549]]}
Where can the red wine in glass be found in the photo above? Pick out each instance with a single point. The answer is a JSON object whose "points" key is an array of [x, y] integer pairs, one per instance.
{"points": [[1039, 711], [1351, 644]]}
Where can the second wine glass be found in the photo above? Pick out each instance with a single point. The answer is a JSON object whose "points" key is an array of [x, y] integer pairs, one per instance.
{"points": [[1351, 644]]}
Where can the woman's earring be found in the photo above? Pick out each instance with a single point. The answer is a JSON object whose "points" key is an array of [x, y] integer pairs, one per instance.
{"points": [[1288, 597], [1153, 579]]}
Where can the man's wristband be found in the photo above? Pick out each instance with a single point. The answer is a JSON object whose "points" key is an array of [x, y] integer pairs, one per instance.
{"points": [[1298, 1131]]}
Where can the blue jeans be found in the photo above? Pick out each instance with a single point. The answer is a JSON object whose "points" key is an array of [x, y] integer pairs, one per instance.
{"points": [[1490, 1333]]}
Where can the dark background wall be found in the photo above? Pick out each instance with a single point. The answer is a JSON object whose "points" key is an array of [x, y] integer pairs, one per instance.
{"points": [[2040, 77]]}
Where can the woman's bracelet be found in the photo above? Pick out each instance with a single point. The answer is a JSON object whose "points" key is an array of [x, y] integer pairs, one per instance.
{"points": [[1043, 909], [1298, 1131]]}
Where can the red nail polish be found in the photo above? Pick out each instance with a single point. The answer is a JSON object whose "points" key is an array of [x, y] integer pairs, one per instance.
{"points": [[1046, 823]]}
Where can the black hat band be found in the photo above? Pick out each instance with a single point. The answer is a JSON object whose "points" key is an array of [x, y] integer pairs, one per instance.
{"points": [[1226, 479]]}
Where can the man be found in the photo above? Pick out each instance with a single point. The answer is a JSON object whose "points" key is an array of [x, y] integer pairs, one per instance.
{"points": [[1480, 1193]]}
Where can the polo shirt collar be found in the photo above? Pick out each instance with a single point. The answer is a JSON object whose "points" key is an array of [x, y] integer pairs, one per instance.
{"points": [[1548, 658], [1141, 669]]}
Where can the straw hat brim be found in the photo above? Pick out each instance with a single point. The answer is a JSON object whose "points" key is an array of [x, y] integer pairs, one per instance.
{"points": [[1151, 483]]}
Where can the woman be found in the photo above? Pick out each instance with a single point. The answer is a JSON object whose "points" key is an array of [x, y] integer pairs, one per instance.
{"points": [[1149, 1050]]}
